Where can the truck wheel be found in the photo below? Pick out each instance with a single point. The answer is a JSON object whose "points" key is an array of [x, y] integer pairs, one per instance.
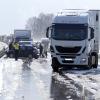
{"points": [[95, 58], [55, 65], [89, 62]]}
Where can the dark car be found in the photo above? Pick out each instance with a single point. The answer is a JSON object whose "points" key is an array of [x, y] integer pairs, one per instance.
{"points": [[27, 49]]}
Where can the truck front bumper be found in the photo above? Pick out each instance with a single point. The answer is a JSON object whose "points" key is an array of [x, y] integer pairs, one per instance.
{"points": [[72, 59]]}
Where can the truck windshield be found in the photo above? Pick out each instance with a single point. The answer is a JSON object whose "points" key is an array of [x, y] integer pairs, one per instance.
{"points": [[72, 32], [22, 39], [25, 43]]}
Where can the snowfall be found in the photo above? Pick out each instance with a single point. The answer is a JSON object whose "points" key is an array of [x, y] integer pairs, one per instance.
{"points": [[34, 80]]}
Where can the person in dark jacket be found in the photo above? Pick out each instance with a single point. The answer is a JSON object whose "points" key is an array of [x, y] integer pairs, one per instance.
{"points": [[41, 50], [11, 45]]}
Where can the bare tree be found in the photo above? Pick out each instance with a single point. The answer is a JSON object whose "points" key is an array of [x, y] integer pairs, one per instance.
{"points": [[39, 24]]}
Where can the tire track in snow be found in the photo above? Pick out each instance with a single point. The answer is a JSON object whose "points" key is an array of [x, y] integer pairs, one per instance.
{"points": [[42, 72], [89, 80]]}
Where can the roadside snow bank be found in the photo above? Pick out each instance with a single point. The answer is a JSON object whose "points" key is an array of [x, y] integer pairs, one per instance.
{"points": [[3, 46]]}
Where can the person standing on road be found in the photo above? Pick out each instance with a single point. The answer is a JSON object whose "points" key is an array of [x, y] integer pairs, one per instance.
{"points": [[45, 43], [11, 45], [16, 50], [41, 50]]}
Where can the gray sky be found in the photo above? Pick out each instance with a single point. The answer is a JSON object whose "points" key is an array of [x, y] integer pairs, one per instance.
{"points": [[15, 13]]}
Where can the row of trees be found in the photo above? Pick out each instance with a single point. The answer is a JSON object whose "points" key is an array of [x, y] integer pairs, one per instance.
{"points": [[39, 24], [6, 38]]}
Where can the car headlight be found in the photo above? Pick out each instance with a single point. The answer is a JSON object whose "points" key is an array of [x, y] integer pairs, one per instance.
{"points": [[83, 59]]}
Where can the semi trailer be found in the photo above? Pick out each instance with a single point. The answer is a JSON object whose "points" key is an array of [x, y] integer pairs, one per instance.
{"points": [[74, 39]]}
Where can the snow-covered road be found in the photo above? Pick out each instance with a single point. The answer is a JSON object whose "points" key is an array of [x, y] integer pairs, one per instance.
{"points": [[24, 81], [20, 80]]}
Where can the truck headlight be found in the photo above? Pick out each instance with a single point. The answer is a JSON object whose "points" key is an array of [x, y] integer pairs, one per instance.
{"points": [[68, 59]]}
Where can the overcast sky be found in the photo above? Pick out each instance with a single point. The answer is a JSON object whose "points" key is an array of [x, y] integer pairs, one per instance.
{"points": [[15, 13]]}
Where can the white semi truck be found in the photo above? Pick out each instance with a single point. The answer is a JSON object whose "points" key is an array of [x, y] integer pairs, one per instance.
{"points": [[74, 37]]}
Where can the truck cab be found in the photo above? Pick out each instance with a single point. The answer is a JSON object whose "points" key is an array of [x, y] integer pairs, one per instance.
{"points": [[74, 37]]}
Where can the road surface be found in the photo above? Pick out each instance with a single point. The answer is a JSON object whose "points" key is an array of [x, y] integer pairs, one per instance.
{"points": [[20, 80]]}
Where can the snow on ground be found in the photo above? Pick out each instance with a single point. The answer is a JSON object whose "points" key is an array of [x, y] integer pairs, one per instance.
{"points": [[34, 81], [25, 81], [68, 88], [42, 74], [84, 83], [89, 80], [9, 78]]}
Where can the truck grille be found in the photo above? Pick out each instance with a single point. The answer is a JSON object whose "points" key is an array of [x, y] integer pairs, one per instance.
{"points": [[61, 49], [67, 61], [73, 57]]}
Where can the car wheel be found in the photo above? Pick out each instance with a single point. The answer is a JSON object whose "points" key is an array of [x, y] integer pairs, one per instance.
{"points": [[11, 55], [30, 56], [36, 57]]}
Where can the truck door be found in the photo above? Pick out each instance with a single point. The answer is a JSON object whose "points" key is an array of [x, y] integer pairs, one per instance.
{"points": [[91, 39]]}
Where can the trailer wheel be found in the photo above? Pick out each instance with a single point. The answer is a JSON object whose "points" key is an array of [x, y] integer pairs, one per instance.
{"points": [[55, 65], [95, 61]]}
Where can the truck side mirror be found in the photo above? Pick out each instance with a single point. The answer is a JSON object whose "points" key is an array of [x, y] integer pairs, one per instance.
{"points": [[48, 32], [92, 33]]}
